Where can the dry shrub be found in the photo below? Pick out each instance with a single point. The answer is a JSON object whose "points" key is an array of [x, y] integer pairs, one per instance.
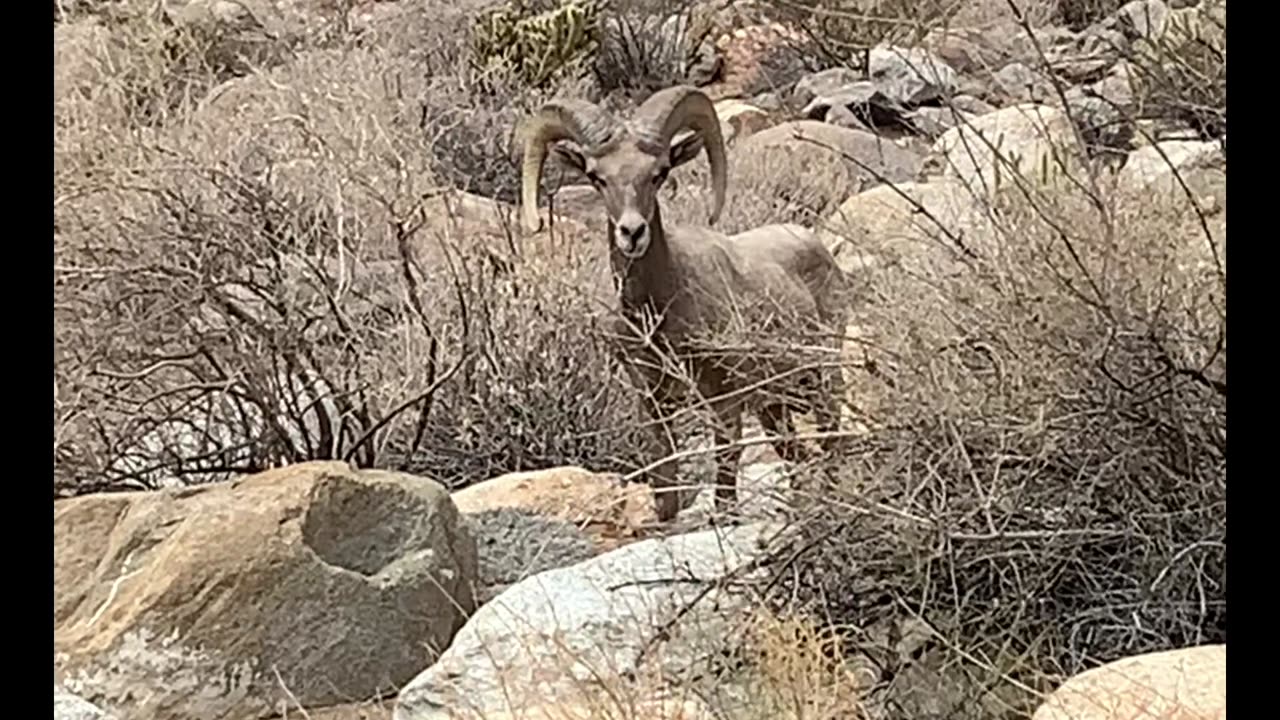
{"points": [[171, 65], [802, 671], [799, 184], [648, 46], [844, 31], [1182, 75], [256, 270], [1079, 14], [544, 389], [1047, 489], [469, 114], [470, 124], [273, 280]]}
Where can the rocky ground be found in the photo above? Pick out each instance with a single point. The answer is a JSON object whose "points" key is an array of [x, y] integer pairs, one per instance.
{"points": [[324, 589]]}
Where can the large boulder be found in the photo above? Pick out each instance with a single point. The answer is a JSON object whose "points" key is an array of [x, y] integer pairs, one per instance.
{"points": [[649, 609], [759, 57], [872, 158], [810, 166], [1084, 56], [868, 106], [1103, 126], [1188, 684], [1035, 142], [1017, 82], [611, 511], [911, 76], [823, 83], [1165, 167], [649, 708], [315, 582], [512, 544], [67, 706], [1143, 19], [906, 224], [910, 239], [369, 710], [527, 522], [740, 120], [978, 51]]}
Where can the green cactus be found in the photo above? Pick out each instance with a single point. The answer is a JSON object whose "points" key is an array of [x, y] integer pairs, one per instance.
{"points": [[536, 47]]}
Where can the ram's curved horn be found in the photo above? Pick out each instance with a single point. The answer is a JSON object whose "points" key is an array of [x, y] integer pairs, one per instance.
{"points": [[576, 120], [669, 111]]}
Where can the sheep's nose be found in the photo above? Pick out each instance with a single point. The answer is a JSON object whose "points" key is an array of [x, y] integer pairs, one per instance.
{"points": [[631, 236], [632, 230]]}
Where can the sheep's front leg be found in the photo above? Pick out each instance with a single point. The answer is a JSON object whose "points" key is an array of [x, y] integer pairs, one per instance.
{"points": [[658, 397], [662, 446], [727, 432]]}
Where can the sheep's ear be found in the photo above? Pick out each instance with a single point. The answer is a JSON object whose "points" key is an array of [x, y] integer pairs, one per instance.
{"points": [[570, 156], [685, 148]]}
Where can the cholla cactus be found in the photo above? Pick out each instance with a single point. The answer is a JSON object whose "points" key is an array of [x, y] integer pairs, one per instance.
{"points": [[537, 47]]}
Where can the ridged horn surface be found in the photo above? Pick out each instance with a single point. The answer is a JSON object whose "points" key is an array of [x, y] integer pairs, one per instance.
{"points": [[669, 111], [576, 120]]}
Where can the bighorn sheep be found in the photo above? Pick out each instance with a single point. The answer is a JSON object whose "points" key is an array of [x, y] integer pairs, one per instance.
{"points": [[682, 282]]}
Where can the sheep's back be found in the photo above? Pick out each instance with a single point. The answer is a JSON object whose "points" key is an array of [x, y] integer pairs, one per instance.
{"points": [[760, 278]]}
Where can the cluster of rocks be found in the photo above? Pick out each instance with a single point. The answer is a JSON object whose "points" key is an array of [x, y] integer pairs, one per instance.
{"points": [[317, 585], [965, 70], [323, 588]]}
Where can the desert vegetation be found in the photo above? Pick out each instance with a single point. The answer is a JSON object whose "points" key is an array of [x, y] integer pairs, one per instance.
{"points": [[290, 231]]}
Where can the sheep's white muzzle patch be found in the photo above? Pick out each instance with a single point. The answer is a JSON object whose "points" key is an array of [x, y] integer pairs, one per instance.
{"points": [[632, 247]]}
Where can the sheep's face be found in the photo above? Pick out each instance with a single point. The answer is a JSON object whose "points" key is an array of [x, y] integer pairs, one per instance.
{"points": [[628, 178]]}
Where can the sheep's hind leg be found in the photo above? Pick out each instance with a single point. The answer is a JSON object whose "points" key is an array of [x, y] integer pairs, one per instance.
{"points": [[825, 403], [826, 409], [775, 418]]}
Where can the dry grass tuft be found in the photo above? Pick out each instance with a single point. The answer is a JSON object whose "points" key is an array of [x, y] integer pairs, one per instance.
{"points": [[803, 672]]}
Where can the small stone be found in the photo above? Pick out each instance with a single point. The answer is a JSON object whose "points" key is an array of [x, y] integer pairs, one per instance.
{"points": [[911, 76], [824, 83]]}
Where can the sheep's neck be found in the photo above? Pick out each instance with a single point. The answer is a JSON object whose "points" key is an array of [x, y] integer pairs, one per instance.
{"points": [[647, 284]]}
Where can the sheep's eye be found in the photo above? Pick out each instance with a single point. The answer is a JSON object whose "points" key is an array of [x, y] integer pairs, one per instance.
{"points": [[660, 177]]}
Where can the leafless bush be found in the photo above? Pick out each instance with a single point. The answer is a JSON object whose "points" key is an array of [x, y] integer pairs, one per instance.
{"points": [[470, 124], [544, 389], [278, 279], [285, 275], [1181, 75], [1079, 14], [172, 64], [656, 45], [845, 31], [1048, 488]]}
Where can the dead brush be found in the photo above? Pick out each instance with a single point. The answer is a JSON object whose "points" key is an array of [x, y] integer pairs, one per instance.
{"points": [[1048, 487]]}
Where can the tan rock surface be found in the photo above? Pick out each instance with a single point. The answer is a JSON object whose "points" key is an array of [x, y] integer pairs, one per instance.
{"points": [[610, 511], [1184, 684], [208, 602]]}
